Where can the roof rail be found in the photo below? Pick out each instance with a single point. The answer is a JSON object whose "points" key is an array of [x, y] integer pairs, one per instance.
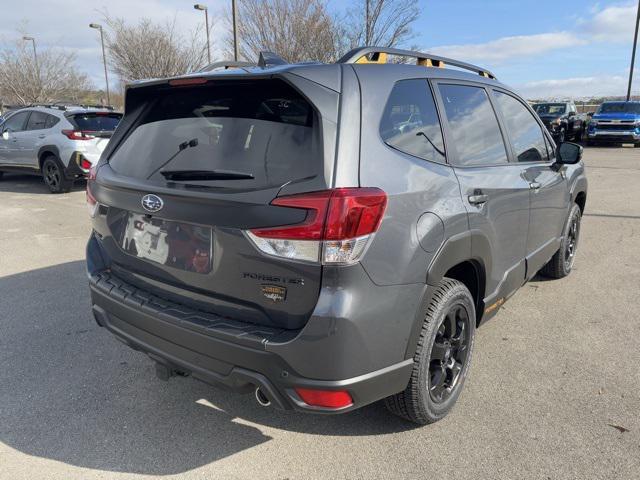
{"points": [[65, 106], [379, 55], [85, 105], [226, 65]]}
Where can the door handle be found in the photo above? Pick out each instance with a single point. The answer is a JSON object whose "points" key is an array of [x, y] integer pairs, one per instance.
{"points": [[534, 186], [41, 136], [478, 199]]}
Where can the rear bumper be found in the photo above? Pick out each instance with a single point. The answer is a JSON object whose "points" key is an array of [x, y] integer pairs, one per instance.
{"points": [[222, 352], [74, 169]]}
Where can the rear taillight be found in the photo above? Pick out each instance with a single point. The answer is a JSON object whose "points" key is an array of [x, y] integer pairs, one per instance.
{"points": [[337, 229], [78, 134], [325, 398], [85, 164], [181, 82], [92, 203]]}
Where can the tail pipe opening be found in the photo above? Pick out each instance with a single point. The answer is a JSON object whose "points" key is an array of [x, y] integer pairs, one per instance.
{"points": [[261, 398]]}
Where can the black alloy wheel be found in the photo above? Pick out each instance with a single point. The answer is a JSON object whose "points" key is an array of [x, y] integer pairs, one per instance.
{"points": [[53, 176], [571, 242], [449, 353], [561, 136]]}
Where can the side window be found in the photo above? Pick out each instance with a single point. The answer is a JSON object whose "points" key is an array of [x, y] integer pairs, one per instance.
{"points": [[410, 121], [525, 132], [51, 121], [37, 121], [474, 126], [16, 122]]}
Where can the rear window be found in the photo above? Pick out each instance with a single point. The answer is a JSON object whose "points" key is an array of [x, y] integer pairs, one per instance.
{"points": [[96, 122], [265, 129]]}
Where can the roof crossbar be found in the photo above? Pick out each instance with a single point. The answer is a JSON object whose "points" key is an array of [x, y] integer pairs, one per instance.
{"points": [[379, 55]]}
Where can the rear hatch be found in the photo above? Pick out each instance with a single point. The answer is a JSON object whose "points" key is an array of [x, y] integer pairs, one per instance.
{"points": [[192, 168], [94, 129]]}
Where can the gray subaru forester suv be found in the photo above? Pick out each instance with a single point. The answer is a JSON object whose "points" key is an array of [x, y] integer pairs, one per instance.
{"points": [[326, 235]]}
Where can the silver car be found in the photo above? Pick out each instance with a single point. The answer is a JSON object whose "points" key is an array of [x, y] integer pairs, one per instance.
{"points": [[59, 142]]}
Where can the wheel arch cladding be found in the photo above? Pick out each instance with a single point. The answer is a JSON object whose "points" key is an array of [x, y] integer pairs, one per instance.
{"points": [[45, 151], [581, 200]]}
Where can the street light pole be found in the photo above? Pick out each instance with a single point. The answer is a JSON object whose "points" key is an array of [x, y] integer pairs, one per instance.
{"points": [[199, 6], [366, 23], [104, 59], [234, 14], [633, 54], [35, 56]]}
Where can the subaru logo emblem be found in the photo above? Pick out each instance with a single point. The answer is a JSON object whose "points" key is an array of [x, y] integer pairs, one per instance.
{"points": [[152, 203]]}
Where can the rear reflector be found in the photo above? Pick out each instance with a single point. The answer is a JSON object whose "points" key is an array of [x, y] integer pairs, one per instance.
{"points": [[85, 164], [325, 398], [92, 203], [337, 229]]}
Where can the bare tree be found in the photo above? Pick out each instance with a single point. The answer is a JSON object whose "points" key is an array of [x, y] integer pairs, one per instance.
{"points": [[55, 78], [152, 50], [298, 30], [383, 23]]}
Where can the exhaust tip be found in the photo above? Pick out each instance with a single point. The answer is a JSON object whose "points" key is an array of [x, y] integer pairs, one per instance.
{"points": [[261, 398]]}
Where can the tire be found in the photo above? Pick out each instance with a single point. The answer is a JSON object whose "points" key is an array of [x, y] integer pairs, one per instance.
{"points": [[636, 145], [434, 388], [578, 136], [561, 136], [562, 261], [1, 175], [53, 175]]}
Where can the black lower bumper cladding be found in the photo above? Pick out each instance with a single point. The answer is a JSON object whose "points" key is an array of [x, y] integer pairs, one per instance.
{"points": [[221, 351]]}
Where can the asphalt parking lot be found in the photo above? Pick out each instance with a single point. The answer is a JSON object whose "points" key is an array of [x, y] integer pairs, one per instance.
{"points": [[554, 391]]}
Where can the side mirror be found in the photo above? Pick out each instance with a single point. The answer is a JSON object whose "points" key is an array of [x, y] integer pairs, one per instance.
{"points": [[569, 153], [5, 134], [572, 114]]}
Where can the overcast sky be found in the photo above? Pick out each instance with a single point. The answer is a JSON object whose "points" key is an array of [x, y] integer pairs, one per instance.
{"points": [[545, 48]]}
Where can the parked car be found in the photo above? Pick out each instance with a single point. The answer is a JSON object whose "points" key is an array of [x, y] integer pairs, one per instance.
{"points": [[615, 122], [562, 120], [61, 143], [320, 249]]}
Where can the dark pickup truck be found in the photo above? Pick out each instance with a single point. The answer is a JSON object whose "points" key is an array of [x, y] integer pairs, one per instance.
{"points": [[562, 120]]}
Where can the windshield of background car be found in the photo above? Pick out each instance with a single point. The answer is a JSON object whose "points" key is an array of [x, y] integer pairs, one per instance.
{"points": [[550, 108], [263, 128], [619, 107], [96, 121]]}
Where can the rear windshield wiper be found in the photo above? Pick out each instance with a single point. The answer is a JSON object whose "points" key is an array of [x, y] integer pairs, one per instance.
{"points": [[202, 175], [181, 148]]}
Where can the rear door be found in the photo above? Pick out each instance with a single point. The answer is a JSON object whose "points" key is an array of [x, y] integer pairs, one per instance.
{"points": [[260, 138], [495, 192], [32, 138], [549, 189], [99, 125]]}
